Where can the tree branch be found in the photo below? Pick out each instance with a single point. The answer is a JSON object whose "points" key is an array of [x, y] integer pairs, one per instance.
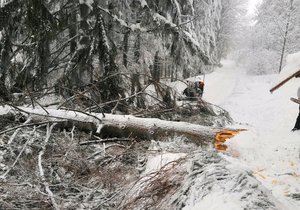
{"points": [[41, 170]]}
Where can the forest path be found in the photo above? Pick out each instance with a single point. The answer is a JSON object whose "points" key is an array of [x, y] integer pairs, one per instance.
{"points": [[268, 148]]}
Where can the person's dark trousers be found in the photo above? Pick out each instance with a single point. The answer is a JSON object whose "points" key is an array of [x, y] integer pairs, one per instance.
{"points": [[297, 125]]}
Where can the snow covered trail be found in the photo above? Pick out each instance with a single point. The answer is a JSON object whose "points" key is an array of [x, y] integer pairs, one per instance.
{"points": [[268, 148]]}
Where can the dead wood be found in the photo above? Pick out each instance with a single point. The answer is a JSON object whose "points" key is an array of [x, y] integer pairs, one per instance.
{"points": [[28, 125], [100, 141], [41, 170], [123, 126]]}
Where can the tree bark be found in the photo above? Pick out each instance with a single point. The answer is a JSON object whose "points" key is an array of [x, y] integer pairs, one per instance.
{"points": [[41, 23], [125, 48], [72, 31], [110, 125], [286, 35], [106, 57], [5, 47], [156, 67]]}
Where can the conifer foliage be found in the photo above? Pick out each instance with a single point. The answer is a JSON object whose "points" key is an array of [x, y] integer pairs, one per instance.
{"points": [[99, 46]]}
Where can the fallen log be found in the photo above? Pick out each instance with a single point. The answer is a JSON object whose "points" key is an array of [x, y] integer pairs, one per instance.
{"points": [[127, 126]]}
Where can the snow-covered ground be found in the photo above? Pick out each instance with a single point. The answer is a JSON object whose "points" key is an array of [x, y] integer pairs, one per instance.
{"points": [[268, 148]]}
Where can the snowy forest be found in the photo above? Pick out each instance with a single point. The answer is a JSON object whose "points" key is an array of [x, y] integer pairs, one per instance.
{"points": [[149, 104]]}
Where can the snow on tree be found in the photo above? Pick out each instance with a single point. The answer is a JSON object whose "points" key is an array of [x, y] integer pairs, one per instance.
{"points": [[178, 38], [274, 35]]}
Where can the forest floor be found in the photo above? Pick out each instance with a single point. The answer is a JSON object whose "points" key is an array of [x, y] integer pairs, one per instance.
{"points": [[47, 166]]}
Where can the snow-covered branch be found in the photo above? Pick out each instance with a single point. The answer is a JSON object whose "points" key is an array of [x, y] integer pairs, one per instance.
{"points": [[41, 170], [127, 125]]}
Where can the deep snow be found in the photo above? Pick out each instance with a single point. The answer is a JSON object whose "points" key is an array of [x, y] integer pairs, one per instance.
{"points": [[268, 148]]}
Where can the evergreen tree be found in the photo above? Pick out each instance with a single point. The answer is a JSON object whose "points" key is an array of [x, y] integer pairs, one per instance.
{"points": [[101, 47]]}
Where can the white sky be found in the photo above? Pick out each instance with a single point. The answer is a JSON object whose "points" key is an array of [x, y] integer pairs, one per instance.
{"points": [[252, 6]]}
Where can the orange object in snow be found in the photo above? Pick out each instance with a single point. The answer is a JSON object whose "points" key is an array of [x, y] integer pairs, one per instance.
{"points": [[222, 136]]}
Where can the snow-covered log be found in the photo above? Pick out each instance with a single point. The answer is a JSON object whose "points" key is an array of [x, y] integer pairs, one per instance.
{"points": [[110, 125]]}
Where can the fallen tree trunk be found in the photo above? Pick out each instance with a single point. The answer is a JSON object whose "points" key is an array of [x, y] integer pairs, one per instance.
{"points": [[110, 125]]}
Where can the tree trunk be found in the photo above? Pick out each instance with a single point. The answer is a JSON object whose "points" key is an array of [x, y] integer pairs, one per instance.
{"points": [[5, 47], [72, 31], [137, 48], [156, 67], [44, 55], [84, 69], [136, 88], [112, 84], [125, 48], [285, 35], [130, 126], [41, 22], [73, 45]]}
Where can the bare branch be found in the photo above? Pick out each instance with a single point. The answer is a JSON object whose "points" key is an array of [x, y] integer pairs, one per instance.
{"points": [[28, 125], [41, 170], [104, 140], [16, 160]]}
